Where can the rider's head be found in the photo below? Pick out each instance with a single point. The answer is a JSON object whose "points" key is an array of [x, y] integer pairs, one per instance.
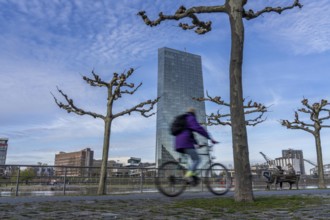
{"points": [[191, 110]]}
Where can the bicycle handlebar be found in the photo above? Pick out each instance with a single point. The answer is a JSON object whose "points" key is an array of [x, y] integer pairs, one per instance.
{"points": [[207, 145], [202, 145]]}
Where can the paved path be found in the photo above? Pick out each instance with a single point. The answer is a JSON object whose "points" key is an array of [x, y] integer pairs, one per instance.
{"points": [[148, 206]]}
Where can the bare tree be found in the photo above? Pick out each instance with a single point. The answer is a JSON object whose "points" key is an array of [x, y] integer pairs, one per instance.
{"points": [[317, 114], [250, 108], [236, 13], [117, 87]]}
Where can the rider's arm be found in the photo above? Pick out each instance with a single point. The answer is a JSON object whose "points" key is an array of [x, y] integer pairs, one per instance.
{"points": [[193, 125]]}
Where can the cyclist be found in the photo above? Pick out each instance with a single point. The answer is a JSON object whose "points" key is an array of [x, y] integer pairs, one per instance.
{"points": [[185, 142]]}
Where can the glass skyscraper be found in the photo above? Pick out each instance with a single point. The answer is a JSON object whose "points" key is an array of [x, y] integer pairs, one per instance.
{"points": [[180, 79]]}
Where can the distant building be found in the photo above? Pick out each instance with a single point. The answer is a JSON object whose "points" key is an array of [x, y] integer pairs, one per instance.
{"points": [[44, 170], [114, 168], [289, 157], [8, 170], [134, 167], [326, 170], [285, 161], [180, 79], [133, 161], [298, 154], [83, 158], [3, 150], [137, 168]]}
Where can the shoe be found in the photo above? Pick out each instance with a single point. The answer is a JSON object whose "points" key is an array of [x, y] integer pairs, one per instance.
{"points": [[189, 174], [191, 178], [196, 180], [188, 177]]}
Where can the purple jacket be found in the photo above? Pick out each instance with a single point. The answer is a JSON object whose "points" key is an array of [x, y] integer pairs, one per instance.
{"points": [[186, 139]]}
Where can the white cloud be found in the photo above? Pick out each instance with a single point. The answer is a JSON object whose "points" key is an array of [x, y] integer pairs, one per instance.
{"points": [[305, 31], [133, 123], [49, 44], [74, 127]]}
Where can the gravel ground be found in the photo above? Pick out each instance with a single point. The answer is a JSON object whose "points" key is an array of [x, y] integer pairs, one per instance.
{"points": [[142, 206]]}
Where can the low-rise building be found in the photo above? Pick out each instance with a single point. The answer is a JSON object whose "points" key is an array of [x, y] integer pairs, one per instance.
{"points": [[82, 159]]}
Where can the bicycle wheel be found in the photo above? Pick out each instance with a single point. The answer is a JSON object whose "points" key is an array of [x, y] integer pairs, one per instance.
{"points": [[218, 179], [170, 179]]}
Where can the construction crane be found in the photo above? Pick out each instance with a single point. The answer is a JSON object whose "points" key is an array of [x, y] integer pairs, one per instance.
{"points": [[310, 162], [270, 162], [314, 171]]}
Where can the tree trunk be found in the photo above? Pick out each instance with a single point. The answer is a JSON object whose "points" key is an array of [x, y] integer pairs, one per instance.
{"points": [[243, 176], [320, 170], [104, 165]]}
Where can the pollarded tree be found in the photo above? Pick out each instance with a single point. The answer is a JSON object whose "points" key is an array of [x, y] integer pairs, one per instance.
{"points": [[117, 87], [317, 114], [236, 13], [250, 108]]}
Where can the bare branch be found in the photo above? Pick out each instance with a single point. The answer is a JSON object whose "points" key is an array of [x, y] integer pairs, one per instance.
{"points": [[305, 111], [305, 103], [215, 119], [200, 27], [255, 121], [324, 110], [250, 14], [140, 108], [256, 107], [216, 100], [131, 86], [70, 106], [325, 118], [96, 81], [119, 82], [117, 93], [323, 104], [251, 107], [296, 125], [314, 113]]}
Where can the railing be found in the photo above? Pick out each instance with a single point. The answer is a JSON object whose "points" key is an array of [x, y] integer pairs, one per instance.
{"points": [[20, 180]]}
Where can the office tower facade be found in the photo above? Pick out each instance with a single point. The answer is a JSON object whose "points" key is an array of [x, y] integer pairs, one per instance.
{"points": [[298, 154], [3, 150], [180, 79]]}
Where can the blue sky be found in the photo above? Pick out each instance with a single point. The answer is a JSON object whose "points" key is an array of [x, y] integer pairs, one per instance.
{"points": [[45, 44]]}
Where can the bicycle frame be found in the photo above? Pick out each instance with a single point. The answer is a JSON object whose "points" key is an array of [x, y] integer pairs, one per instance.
{"points": [[171, 180], [184, 158]]}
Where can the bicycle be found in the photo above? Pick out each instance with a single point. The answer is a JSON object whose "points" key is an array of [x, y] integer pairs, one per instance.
{"points": [[170, 179]]}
